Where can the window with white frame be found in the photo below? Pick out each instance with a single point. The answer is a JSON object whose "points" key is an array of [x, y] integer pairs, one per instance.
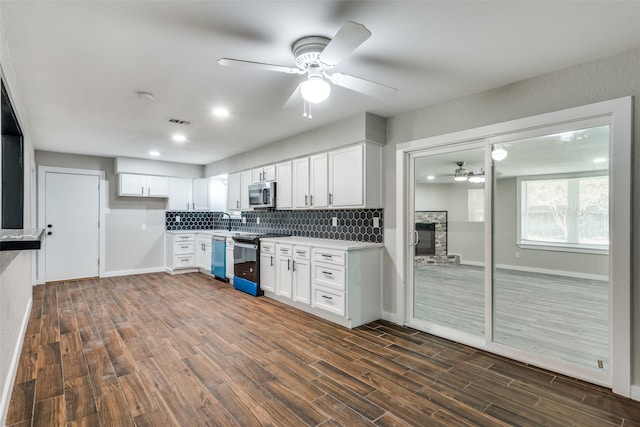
{"points": [[571, 211]]}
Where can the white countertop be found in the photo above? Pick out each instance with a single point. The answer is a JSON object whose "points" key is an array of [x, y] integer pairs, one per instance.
{"points": [[345, 245], [224, 233]]}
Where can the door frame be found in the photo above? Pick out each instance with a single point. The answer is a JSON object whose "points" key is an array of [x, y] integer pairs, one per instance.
{"points": [[102, 184], [620, 316]]}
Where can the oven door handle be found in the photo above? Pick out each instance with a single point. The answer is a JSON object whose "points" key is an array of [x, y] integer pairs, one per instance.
{"points": [[245, 245]]}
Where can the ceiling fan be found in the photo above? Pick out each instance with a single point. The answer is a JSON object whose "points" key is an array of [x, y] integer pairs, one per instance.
{"points": [[315, 56], [461, 174]]}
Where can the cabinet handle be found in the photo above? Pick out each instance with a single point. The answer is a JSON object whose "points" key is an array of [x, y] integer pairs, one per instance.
{"points": [[238, 204], [293, 265], [328, 273], [330, 198], [306, 197], [149, 188], [327, 256], [311, 200], [327, 297], [271, 260], [142, 190], [288, 264]]}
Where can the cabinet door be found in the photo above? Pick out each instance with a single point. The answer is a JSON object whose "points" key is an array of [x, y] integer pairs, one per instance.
{"points": [[233, 192], [200, 189], [200, 252], [302, 281], [157, 186], [269, 173], [245, 181], [132, 185], [346, 177], [318, 182], [179, 194], [284, 284], [256, 175], [268, 272], [301, 183], [284, 186], [206, 262]]}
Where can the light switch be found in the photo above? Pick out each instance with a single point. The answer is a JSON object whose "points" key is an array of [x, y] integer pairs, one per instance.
{"points": [[334, 221], [257, 220], [376, 222], [143, 227]]}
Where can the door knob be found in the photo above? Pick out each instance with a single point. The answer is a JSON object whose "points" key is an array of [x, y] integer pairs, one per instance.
{"points": [[49, 233], [49, 225]]}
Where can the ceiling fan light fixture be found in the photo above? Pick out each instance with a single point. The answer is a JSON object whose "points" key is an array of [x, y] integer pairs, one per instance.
{"points": [[499, 153], [315, 89], [460, 174]]}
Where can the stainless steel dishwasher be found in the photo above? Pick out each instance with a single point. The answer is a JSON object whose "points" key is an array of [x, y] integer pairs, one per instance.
{"points": [[218, 258]]}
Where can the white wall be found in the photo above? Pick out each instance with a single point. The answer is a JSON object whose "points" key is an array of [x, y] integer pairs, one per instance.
{"points": [[604, 79]]}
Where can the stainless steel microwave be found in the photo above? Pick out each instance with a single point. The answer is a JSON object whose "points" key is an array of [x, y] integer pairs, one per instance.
{"points": [[262, 195]]}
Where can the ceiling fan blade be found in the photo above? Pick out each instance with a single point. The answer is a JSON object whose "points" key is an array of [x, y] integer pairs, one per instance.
{"points": [[229, 62], [363, 86], [346, 40]]}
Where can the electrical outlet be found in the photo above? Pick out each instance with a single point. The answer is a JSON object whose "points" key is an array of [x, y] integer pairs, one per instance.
{"points": [[143, 227], [334, 221], [376, 222], [244, 219], [177, 218], [257, 220], [517, 254]]}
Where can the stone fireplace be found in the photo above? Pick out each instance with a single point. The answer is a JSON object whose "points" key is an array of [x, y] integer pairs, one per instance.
{"points": [[431, 228]]}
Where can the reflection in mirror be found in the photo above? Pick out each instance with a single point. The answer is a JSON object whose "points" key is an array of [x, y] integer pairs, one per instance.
{"points": [[448, 218], [550, 244]]}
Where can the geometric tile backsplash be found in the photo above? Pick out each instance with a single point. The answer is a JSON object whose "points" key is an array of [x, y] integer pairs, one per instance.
{"points": [[352, 224]]}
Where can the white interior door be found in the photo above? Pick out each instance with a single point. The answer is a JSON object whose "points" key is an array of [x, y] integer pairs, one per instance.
{"points": [[71, 226]]}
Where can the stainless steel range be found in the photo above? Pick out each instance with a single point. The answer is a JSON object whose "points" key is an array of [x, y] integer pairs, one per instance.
{"points": [[246, 262]]}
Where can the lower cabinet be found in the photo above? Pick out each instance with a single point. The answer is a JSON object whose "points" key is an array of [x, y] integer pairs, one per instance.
{"points": [[203, 252], [341, 284], [180, 251]]}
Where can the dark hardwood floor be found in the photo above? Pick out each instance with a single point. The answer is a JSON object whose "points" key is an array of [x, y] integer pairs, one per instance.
{"points": [[159, 350]]}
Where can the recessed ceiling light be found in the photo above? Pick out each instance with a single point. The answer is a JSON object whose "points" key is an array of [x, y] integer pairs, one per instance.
{"points": [[220, 112], [178, 137], [599, 160], [154, 153], [431, 177]]}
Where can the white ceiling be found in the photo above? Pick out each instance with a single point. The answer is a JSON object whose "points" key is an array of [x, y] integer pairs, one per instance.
{"points": [[79, 64]]}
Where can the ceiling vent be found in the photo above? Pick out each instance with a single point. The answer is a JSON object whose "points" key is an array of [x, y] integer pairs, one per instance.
{"points": [[179, 122]]}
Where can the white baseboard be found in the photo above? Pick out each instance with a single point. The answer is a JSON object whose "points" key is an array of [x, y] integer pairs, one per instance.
{"points": [[635, 392], [574, 274], [474, 263], [133, 271], [5, 398]]}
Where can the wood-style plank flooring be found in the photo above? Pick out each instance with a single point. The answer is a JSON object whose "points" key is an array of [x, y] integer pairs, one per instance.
{"points": [[162, 350]]}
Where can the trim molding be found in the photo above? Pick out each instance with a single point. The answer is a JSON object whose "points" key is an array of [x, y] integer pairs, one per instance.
{"points": [[7, 387], [117, 273]]}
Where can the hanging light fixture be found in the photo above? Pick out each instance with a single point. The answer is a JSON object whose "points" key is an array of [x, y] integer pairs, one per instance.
{"points": [[315, 89], [498, 153]]}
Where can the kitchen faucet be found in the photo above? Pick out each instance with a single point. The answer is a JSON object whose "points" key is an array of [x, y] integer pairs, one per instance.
{"points": [[227, 214]]}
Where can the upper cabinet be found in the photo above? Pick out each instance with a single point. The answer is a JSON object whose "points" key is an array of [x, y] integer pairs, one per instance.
{"points": [[245, 182], [264, 174], [187, 194], [284, 187], [233, 192], [143, 185], [200, 191]]}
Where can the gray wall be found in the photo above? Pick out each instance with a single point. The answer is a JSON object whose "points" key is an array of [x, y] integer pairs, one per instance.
{"points": [[127, 246], [604, 79]]}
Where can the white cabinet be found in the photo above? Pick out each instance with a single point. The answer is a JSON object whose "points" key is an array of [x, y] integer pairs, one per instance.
{"points": [[284, 272], [284, 185], [310, 182], [203, 252], [229, 260], [301, 183], [245, 182], [233, 191], [180, 194], [268, 267], [355, 177], [264, 174], [180, 251], [143, 185], [200, 192], [302, 274], [218, 194]]}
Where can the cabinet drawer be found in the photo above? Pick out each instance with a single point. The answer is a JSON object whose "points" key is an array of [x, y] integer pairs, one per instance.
{"points": [[184, 238], [183, 261], [285, 251], [329, 256], [183, 248], [301, 253], [268, 248], [329, 300], [332, 276]]}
